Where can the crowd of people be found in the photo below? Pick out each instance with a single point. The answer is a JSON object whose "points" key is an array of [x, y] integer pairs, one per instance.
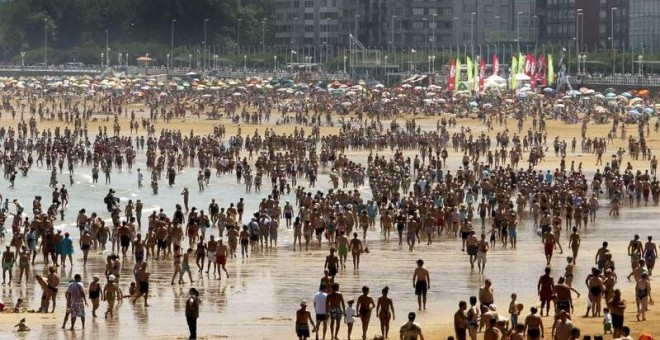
{"points": [[408, 186]]}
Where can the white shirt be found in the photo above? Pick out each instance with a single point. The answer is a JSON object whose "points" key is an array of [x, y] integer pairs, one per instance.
{"points": [[349, 312], [319, 302]]}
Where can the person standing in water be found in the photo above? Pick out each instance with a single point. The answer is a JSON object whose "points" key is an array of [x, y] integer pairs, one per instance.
{"points": [[385, 312], [422, 283]]}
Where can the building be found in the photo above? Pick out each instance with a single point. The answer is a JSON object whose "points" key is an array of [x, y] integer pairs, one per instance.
{"points": [[311, 28], [587, 25], [644, 32]]}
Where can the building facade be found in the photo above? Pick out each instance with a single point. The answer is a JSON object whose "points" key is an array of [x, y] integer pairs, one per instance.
{"points": [[644, 32]]}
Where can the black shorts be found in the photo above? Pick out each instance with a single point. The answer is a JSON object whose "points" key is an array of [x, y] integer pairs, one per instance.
{"points": [[461, 333], [144, 287], [332, 271], [84, 246], [564, 305], [421, 287], [125, 241], [254, 238], [302, 332], [617, 321], [162, 244], [321, 317], [465, 234]]}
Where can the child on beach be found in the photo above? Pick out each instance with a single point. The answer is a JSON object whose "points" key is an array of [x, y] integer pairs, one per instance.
{"points": [[513, 310], [22, 327], [349, 313], [607, 321]]}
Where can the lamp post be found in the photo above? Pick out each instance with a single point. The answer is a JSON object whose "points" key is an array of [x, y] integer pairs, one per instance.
{"points": [[245, 63], [107, 49], [433, 33], [612, 35], [204, 43], [102, 56], [345, 57], [433, 64], [190, 61], [238, 34], [584, 64], [577, 27], [518, 30], [392, 32], [640, 59], [22, 60], [472, 15], [275, 63], [429, 65], [458, 54], [263, 34], [46, 43], [168, 62], [171, 43], [426, 34]]}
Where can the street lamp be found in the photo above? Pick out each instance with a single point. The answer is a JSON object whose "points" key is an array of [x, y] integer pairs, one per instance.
{"points": [[472, 16], [429, 66], [457, 34], [238, 33], [426, 34], [518, 30], [245, 63], [190, 61], [275, 63], [168, 61], [107, 49], [584, 64], [204, 57], [22, 60], [171, 43], [640, 59], [612, 34], [102, 56], [433, 64], [577, 27], [46, 42], [263, 33], [345, 57]]}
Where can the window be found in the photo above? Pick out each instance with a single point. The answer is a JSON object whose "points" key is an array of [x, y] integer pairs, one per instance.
{"points": [[309, 28], [309, 3], [417, 11], [418, 25], [309, 16], [603, 14]]}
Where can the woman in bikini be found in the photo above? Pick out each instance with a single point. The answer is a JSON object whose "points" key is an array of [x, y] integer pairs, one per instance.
{"points": [[385, 312], [596, 289], [110, 293], [364, 306], [95, 294], [643, 295]]}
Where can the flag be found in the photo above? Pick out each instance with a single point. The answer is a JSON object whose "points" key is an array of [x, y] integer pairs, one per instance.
{"points": [[551, 71], [476, 75], [468, 64], [294, 52], [458, 71], [452, 75], [521, 63], [532, 64], [496, 64], [541, 70], [482, 71], [514, 71]]}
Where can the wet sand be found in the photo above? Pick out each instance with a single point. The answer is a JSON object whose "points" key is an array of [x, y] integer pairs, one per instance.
{"points": [[259, 299]]}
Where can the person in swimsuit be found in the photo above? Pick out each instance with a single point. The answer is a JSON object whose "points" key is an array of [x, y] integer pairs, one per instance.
{"points": [[303, 317], [7, 264], [544, 289], [221, 258], [111, 292], [422, 283], [331, 262], [177, 264], [356, 251], [650, 254], [411, 330], [364, 306], [385, 312], [596, 289], [342, 248], [95, 294], [643, 296], [534, 325], [335, 306]]}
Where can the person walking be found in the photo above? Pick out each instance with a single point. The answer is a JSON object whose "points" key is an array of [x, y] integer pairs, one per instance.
{"points": [[192, 312], [76, 300]]}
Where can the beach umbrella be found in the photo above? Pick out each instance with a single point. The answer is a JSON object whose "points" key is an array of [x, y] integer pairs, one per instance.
{"points": [[574, 93], [346, 104], [610, 95], [559, 105], [635, 100], [430, 94], [406, 86], [600, 109], [548, 90], [474, 104], [236, 94], [522, 94], [627, 95], [610, 90], [634, 112], [379, 86], [487, 106], [649, 110]]}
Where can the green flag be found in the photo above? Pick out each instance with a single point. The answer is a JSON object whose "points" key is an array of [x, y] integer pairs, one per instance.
{"points": [[514, 71], [468, 64]]}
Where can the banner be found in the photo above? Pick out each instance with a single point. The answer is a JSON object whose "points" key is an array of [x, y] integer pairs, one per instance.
{"points": [[521, 63], [514, 71], [496, 64], [482, 72], [475, 86], [468, 64], [452, 75], [551, 71], [532, 64], [540, 72], [458, 71]]}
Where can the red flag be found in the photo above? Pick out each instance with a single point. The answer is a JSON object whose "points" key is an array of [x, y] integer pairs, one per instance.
{"points": [[541, 70], [496, 64], [452, 75], [528, 63], [532, 64], [482, 72]]}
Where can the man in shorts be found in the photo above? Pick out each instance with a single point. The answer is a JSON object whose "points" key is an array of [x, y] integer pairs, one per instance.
{"points": [[303, 317], [335, 306], [221, 258], [422, 283], [211, 252], [481, 253], [319, 308]]}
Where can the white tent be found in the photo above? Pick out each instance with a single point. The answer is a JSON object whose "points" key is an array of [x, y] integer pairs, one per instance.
{"points": [[496, 79], [522, 77]]}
